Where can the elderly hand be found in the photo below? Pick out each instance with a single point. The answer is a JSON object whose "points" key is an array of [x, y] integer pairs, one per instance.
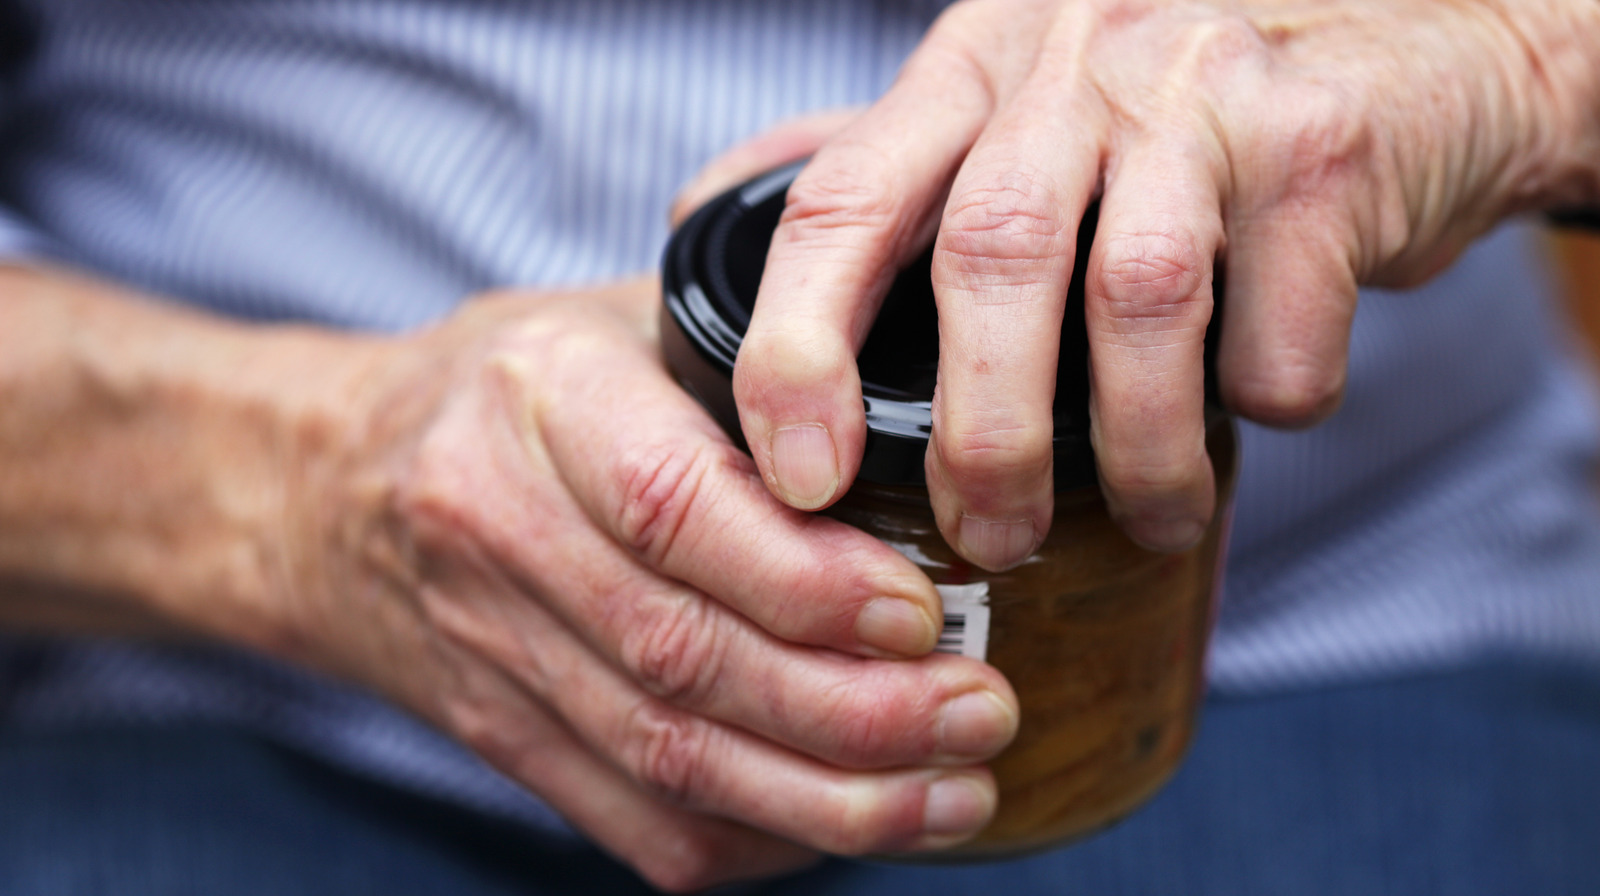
{"points": [[535, 539], [515, 524], [1305, 146]]}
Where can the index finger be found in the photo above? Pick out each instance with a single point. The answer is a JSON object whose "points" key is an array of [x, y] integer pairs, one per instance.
{"points": [[863, 208], [672, 487]]}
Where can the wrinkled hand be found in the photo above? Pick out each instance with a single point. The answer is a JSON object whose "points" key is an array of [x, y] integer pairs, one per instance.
{"points": [[540, 543], [1310, 146]]}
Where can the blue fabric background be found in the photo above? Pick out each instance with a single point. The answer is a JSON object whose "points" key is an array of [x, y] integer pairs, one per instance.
{"points": [[1478, 783]]}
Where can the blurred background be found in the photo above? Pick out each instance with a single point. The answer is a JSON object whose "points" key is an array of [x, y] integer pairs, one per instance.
{"points": [[1579, 255]]}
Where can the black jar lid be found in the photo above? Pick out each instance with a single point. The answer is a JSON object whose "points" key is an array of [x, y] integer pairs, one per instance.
{"points": [[710, 276]]}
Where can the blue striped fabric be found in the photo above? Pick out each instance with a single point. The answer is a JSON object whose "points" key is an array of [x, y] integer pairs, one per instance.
{"points": [[448, 146], [370, 163]]}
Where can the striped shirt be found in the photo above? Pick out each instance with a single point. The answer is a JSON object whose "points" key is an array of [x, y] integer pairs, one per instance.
{"points": [[370, 163]]}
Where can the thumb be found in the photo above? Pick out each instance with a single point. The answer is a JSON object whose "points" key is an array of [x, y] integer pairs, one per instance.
{"points": [[788, 141]]}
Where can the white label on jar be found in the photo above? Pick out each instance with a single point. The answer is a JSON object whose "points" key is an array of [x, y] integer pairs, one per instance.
{"points": [[966, 620]]}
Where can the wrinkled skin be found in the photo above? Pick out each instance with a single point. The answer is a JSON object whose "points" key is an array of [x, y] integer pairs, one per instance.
{"points": [[592, 588], [1304, 147], [517, 526], [540, 543]]}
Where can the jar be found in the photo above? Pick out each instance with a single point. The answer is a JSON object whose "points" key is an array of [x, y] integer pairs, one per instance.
{"points": [[1103, 641]]}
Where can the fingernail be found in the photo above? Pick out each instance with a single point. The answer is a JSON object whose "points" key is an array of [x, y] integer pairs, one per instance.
{"points": [[804, 463], [996, 544], [1168, 535], [975, 725], [896, 626], [957, 804]]}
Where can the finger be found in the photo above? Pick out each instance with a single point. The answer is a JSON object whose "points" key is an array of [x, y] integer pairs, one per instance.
{"points": [[694, 763], [680, 644], [863, 208], [694, 653], [693, 510], [674, 849], [1291, 300], [672, 488], [1001, 268], [1147, 303], [787, 142]]}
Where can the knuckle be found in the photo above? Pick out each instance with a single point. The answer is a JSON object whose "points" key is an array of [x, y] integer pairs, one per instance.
{"points": [[1292, 395], [868, 818], [1309, 146], [973, 452], [668, 752], [1323, 143], [432, 499], [1146, 277], [776, 365], [1005, 230], [840, 198], [865, 726], [1221, 41], [674, 650], [661, 488], [1150, 477], [560, 335]]}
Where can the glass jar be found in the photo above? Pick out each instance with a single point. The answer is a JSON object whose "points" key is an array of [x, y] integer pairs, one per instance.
{"points": [[1103, 641]]}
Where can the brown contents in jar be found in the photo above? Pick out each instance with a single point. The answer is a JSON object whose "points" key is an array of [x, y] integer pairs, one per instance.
{"points": [[1104, 643]]}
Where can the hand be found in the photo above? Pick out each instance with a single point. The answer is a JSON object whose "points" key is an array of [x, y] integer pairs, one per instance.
{"points": [[1309, 146], [535, 539]]}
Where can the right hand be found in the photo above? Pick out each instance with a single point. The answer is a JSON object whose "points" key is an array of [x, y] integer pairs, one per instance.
{"points": [[532, 537], [1307, 147]]}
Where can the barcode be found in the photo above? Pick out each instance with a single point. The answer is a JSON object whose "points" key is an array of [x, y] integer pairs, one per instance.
{"points": [[966, 621], [954, 634]]}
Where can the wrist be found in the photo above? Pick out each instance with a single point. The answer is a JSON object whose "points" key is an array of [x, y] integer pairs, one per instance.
{"points": [[144, 450], [279, 441], [343, 448]]}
